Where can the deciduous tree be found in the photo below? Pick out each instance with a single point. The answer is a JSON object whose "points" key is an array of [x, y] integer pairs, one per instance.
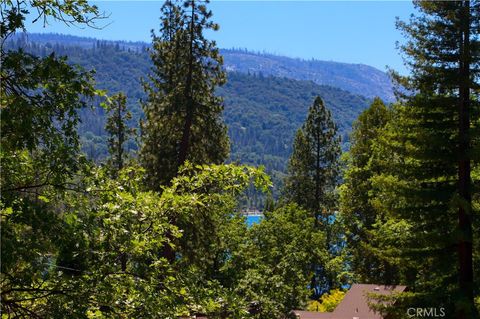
{"points": [[40, 99]]}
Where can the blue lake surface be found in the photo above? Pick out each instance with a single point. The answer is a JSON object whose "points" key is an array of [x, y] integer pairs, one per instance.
{"points": [[253, 219]]}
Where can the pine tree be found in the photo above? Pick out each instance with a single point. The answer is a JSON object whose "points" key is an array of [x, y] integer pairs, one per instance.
{"points": [[182, 113], [312, 176], [432, 144], [313, 167], [118, 130], [357, 212], [299, 183]]}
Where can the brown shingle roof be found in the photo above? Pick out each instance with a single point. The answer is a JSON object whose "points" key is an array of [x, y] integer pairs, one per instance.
{"points": [[313, 314], [354, 304]]}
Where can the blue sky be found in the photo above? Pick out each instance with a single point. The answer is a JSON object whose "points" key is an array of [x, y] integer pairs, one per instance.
{"points": [[344, 31]]}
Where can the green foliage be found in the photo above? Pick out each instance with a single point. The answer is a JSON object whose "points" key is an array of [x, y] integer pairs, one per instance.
{"points": [[415, 192], [357, 213], [118, 131], [182, 113], [100, 252], [117, 230], [211, 193], [80, 242], [313, 166], [328, 302], [312, 177], [426, 185], [263, 113], [77, 243], [276, 263], [40, 99], [39, 152], [70, 13]]}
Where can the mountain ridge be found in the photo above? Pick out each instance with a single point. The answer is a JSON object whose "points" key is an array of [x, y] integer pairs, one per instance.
{"points": [[357, 78]]}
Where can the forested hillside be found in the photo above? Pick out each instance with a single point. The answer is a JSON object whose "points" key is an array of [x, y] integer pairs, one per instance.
{"points": [[356, 78], [262, 112]]}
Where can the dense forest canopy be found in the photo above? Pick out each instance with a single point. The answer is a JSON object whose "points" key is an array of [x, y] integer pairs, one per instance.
{"points": [[102, 220]]}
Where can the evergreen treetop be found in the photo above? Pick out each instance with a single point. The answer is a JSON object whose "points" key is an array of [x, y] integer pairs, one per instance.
{"points": [[182, 112]]}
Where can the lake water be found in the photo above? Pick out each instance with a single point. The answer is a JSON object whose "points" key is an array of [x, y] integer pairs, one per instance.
{"points": [[253, 219]]}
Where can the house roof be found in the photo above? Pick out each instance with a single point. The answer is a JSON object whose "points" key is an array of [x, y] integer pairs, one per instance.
{"points": [[355, 303], [312, 314]]}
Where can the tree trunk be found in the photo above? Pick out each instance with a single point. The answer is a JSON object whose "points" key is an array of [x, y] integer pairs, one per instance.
{"points": [[168, 252], [464, 247], [185, 141], [317, 181], [121, 136]]}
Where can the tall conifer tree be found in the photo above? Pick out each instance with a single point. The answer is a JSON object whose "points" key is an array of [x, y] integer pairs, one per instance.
{"points": [[312, 177], [118, 131], [313, 167], [357, 212], [432, 143], [182, 113]]}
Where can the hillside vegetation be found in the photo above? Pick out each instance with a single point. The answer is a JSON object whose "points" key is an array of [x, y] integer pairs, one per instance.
{"points": [[356, 78], [262, 112]]}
